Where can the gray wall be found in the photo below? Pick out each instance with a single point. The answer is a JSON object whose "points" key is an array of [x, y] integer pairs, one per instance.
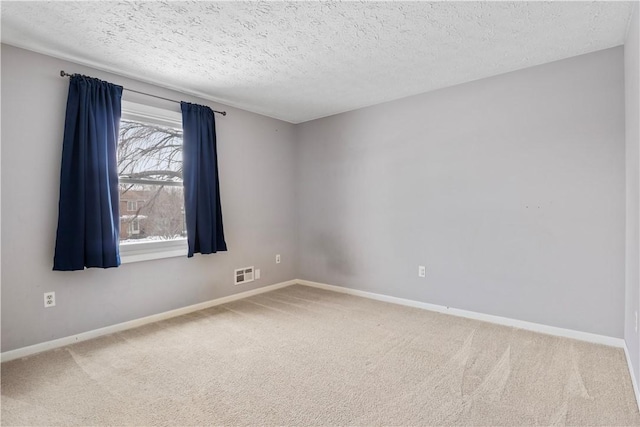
{"points": [[632, 93], [509, 189], [256, 160]]}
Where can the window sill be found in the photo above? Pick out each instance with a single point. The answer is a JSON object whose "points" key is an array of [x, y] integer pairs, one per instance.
{"points": [[147, 251]]}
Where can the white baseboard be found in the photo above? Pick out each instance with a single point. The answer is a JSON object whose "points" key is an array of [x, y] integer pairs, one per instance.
{"points": [[521, 324], [633, 377], [84, 336]]}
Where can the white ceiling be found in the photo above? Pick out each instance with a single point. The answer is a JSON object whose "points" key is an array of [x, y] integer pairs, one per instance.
{"points": [[299, 61]]}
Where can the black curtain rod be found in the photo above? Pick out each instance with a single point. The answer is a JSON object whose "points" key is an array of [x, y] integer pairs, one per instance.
{"points": [[224, 113]]}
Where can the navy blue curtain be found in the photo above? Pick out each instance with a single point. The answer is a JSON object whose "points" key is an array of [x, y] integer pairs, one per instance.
{"points": [[200, 177], [88, 214]]}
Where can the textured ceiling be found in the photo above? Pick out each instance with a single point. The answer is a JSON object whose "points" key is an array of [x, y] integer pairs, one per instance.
{"points": [[302, 60]]}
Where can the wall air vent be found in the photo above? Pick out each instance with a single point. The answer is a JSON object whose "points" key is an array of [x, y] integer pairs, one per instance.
{"points": [[243, 275]]}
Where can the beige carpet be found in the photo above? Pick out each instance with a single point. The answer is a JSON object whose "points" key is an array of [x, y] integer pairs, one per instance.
{"points": [[303, 356]]}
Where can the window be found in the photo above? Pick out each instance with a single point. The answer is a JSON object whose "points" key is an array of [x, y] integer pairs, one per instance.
{"points": [[150, 180], [134, 226]]}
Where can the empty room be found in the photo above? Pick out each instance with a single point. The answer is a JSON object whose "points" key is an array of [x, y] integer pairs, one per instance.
{"points": [[320, 213]]}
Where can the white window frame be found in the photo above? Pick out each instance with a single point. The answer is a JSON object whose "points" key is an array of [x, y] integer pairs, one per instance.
{"points": [[146, 251], [131, 206]]}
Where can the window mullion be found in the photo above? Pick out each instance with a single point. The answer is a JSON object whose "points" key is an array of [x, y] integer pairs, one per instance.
{"points": [[125, 180]]}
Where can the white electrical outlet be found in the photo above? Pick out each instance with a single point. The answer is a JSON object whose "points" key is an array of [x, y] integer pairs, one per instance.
{"points": [[422, 271], [49, 299], [277, 258], [257, 274]]}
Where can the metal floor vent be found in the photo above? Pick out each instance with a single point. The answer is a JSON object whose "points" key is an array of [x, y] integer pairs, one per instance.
{"points": [[243, 275]]}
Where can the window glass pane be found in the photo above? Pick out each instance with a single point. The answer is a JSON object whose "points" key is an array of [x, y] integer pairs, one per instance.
{"points": [[161, 217], [150, 211], [149, 151]]}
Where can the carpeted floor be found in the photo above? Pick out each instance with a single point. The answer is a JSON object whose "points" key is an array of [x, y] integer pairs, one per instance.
{"points": [[303, 356]]}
